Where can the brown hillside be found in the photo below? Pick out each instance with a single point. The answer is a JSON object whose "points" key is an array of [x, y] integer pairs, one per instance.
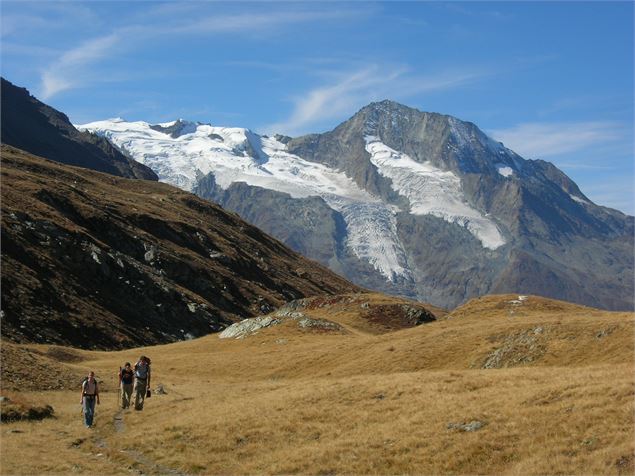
{"points": [[96, 261], [556, 398], [514, 305]]}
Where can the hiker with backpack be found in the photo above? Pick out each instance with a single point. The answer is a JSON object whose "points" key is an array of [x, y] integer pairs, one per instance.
{"points": [[90, 395], [141, 381], [126, 380]]}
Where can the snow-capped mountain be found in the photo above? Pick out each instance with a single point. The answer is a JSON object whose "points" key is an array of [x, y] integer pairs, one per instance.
{"points": [[403, 201]]}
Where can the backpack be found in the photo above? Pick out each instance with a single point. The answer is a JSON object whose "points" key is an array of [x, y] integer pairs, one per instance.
{"points": [[147, 369], [85, 381], [122, 371]]}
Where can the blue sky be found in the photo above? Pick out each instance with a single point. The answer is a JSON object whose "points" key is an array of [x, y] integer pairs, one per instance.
{"points": [[552, 81]]}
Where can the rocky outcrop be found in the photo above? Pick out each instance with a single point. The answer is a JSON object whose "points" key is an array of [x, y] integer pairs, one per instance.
{"points": [[252, 326]]}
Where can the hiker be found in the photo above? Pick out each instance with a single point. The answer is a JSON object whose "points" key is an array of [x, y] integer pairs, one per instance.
{"points": [[141, 381], [90, 394], [126, 380]]}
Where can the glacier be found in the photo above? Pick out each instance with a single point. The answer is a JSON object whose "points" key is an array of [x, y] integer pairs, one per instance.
{"points": [[431, 191], [181, 152]]}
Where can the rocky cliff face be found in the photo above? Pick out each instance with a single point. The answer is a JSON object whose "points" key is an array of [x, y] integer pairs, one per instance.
{"points": [[556, 242], [96, 261], [31, 125], [407, 202]]}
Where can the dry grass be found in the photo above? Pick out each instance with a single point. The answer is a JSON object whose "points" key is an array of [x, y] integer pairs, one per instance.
{"points": [[288, 401]]}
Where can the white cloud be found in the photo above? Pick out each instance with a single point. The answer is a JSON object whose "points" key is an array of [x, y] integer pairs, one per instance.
{"points": [[538, 140], [357, 88], [249, 22], [328, 102], [68, 72]]}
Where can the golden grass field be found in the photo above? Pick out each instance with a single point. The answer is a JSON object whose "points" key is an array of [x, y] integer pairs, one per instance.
{"points": [[557, 398]]}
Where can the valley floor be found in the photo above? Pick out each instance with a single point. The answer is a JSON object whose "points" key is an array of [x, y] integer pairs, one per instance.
{"points": [[289, 401]]}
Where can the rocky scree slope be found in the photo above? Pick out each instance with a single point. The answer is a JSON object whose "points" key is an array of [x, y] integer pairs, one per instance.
{"points": [[97, 261], [406, 202], [31, 125]]}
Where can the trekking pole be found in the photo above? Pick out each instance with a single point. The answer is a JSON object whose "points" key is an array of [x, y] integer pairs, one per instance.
{"points": [[119, 389]]}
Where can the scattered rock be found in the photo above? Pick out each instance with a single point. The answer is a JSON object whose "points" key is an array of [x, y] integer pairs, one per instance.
{"points": [[247, 327], [251, 326], [474, 425], [160, 390], [516, 349], [77, 442], [625, 464], [589, 441], [605, 332], [322, 324], [20, 412]]}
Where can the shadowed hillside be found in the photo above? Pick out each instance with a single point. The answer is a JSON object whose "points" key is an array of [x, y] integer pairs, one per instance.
{"points": [[96, 261], [31, 125]]}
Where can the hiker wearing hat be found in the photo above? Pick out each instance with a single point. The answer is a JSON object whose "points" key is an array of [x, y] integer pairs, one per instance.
{"points": [[90, 395], [126, 380], [141, 381]]}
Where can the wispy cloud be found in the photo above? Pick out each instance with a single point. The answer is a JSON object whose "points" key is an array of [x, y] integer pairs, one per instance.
{"points": [[327, 102], [458, 7], [251, 22], [37, 16], [351, 90], [70, 69], [67, 71], [538, 140]]}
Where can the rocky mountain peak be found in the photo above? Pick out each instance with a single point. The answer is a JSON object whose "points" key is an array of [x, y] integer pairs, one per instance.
{"points": [[412, 203], [388, 106], [177, 128]]}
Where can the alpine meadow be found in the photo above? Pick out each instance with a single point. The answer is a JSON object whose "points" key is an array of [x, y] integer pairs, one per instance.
{"points": [[317, 238]]}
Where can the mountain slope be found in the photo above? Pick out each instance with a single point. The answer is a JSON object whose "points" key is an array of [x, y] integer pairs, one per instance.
{"points": [[97, 261], [31, 125], [406, 202]]}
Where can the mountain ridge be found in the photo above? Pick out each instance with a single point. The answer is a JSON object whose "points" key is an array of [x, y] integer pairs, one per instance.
{"points": [[35, 127], [394, 177]]}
